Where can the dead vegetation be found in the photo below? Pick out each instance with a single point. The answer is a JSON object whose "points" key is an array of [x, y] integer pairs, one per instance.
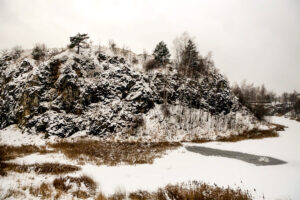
{"points": [[44, 168], [251, 134], [44, 191], [65, 184], [113, 153], [246, 135], [297, 118], [108, 153], [14, 194], [186, 191], [8, 152]]}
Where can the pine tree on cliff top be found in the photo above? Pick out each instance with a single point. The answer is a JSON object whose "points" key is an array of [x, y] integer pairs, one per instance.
{"points": [[79, 41], [161, 54], [190, 58]]}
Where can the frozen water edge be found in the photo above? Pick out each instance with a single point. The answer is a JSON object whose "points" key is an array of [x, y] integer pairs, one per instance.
{"points": [[272, 182]]}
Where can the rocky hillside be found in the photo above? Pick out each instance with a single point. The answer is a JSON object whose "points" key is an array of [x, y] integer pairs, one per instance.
{"points": [[96, 94]]}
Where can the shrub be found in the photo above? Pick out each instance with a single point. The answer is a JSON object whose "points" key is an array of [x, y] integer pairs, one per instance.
{"points": [[44, 191], [113, 46], [151, 65], [64, 184], [53, 52], [259, 111], [16, 52], [135, 60], [125, 51], [39, 52]]}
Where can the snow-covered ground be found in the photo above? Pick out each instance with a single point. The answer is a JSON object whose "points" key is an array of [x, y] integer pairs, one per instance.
{"points": [[269, 182], [12, 135]]}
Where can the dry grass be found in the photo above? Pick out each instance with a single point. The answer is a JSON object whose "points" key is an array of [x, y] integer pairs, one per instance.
{"points": [[251, 134], [44, 191], [185, 191], [44, 168], [8, 152], [65, 184], [2, 169], [14, 194], [113, 153]]}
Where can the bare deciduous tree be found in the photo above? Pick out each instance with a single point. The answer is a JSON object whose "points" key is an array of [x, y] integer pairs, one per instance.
{"points": [[113, 46]]}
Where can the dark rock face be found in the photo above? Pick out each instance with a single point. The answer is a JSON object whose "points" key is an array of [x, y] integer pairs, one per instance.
{"points": [[100, 95]]}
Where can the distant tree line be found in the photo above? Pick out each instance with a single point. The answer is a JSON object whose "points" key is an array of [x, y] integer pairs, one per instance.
{"points": [[255, 98], [248, 93], [289, 98], [292, 100]]}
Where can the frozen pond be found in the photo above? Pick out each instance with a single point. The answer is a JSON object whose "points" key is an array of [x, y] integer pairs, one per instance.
{"points": [[249, 158], [281, 181]]}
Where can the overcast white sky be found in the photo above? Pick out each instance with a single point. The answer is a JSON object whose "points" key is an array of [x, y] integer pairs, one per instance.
{"points": [[257, 40]]}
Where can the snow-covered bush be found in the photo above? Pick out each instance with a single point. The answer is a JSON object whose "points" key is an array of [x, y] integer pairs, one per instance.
{"points": [[150, 65], [39, 52], [16, 52]]}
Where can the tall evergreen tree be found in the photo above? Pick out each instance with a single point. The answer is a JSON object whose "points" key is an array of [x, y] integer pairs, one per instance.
{"points": [[79, 41], [190, 59], [161, 54]]}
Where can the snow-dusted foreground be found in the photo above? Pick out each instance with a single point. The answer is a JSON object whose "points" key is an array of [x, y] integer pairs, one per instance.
{"points": [[271, 182]]}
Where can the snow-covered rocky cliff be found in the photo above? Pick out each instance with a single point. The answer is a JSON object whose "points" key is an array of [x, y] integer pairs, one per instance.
{"points": [[97, 94]]}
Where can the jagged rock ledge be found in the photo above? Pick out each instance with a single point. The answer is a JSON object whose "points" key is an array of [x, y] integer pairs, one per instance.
{"points": [[103, 95]]}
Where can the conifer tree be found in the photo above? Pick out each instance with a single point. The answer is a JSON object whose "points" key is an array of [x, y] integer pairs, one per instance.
{"points": [[161, 54], [79, 41], [190, 59]]}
